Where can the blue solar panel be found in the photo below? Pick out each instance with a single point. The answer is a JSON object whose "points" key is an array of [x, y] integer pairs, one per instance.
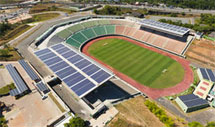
{"points": [[188, 97], [211, 75], [42, 87], [53, 61], [58, 46], [42, 52], [47, 56], [69, 54], [76, 78], [195, 102], [62, 50], [82, 64], [204, 74], [92, 71], [20, 84], [75, 59], [29, 70], [59, 66], [83, 87], [102, 78], [71, 77], [65, 72]]}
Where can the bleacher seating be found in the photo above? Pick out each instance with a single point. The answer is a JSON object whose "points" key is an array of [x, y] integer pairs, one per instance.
{"points": [[79, 37], [90, 24], [64, 34], [89, 33], [100, 30], [78, 34], [110, 29]]}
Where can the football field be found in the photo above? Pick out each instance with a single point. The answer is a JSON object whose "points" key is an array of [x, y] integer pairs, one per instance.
{"points": [[143, 65]]}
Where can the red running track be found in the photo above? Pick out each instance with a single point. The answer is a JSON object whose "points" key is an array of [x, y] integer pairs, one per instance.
{"points": [[151, 92]]}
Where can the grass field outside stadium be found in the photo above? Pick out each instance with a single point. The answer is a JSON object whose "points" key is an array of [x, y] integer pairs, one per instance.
{"points": [[143, 65]]}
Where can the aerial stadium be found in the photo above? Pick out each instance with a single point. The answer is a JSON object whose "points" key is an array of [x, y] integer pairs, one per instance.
{"points": [[147, 55]]}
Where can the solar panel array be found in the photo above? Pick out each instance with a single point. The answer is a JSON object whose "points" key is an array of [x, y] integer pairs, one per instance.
{"points": [[164, 26], [29, 70], [19, 83], [42, 87], [192, 100], [78, 73], [207, 74], [14, 92]]}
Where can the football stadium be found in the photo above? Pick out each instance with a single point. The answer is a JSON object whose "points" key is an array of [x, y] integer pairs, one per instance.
{"points": [[147, 55]]}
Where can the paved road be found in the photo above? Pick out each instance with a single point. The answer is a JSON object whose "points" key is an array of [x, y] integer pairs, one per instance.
{"points": [[171, 107], [165, 9]]}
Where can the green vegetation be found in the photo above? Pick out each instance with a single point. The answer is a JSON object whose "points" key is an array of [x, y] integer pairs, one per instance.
{"points": [[4, 27], [210, 124], [195, 124], [10, 1], [75, 122], [3, 122], [143, 65], [9, 54], [41, 17], [56, 102], [160, 113], [10, 31], [112, 10], [197, 4], [6, 89], [49, 7], [208, 38], [205, 24]]}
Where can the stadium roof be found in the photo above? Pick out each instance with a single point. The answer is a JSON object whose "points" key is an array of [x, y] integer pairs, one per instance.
{"points": [[192, 100], [164, 27], [78, 72], [207, 74], [19, 83], [29, 70]]}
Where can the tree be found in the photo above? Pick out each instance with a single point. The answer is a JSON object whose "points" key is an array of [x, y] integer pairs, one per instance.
{"points": [[3, 122], [195, 124], [75, 122], [4, 52], [210, 124]]}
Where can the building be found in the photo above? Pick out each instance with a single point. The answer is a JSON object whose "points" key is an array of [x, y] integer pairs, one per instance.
{"points": [[189, 103], [203, 89], [206, 74], [21, 87], [198, 35]]}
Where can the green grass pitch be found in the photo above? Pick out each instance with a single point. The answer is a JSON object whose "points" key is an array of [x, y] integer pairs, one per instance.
{"points": [[143, 65]]}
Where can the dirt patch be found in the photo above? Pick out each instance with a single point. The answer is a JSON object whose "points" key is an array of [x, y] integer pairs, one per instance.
{"points": [[202, 52], [134, 113]]}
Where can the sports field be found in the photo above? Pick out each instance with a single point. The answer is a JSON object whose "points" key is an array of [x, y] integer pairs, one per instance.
{"points": [[143, 65]]}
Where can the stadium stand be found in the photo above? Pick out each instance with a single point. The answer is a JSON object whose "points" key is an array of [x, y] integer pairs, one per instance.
{"points": [[110, 29], [80, 33], [89, 33], [100, 30]]}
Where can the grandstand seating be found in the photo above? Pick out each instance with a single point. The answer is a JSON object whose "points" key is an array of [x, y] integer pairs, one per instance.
{"points": [[110, 29], [90, 24], [64, 34], [100, 30], [78, 34], [89, 33]]}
